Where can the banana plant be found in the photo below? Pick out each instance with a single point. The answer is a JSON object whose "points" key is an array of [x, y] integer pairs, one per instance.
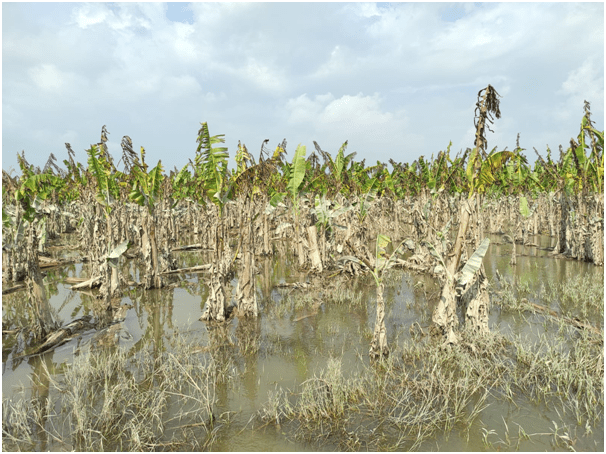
{"points": [[295, 176], [211, 177], [488, 104], [325, 214], [590, 169], [34, 188], [183, 184], [445, 313], [364, 201], [107, 187], [210, 166], [383, 262], [145, 192], [338, 167], [101, 167], [146, 186]]}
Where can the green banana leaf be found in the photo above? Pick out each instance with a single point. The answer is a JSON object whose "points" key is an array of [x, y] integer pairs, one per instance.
{"points": [[297, 171]]}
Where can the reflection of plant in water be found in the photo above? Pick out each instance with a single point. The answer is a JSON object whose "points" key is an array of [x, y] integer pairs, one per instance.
{"points": [[158, 306]]}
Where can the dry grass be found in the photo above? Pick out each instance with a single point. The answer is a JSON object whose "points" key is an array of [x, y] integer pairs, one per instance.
{"points": [[109, 400], [425, 390]]}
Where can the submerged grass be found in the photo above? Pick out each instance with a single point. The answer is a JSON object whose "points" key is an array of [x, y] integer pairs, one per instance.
{"points": [[425, 389], [395, 404], [564, 373], [109, 400], [580, 297]]}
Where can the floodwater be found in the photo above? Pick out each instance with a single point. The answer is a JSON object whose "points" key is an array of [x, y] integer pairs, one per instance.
{"points": [[296, 334]]}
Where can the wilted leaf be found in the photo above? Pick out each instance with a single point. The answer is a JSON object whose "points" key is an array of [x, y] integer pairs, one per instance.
{"points": [[276, 198], [382, 242], [409, 244], [282, 227], [436, 255], [474, 263], [350, 258], [119, 250]]}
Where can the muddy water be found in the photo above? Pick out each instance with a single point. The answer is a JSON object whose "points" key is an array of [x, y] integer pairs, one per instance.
{"points": [[297, 332]]}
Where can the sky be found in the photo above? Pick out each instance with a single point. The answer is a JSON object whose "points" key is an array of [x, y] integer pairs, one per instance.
{"points": [[397, 80]]}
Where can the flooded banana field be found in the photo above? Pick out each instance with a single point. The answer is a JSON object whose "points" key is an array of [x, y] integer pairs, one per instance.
{"points": [[299, 376], [233, 310]]}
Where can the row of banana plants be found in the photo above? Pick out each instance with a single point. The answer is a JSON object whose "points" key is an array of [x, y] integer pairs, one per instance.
{"points": [[332, 209], [499, 172]]}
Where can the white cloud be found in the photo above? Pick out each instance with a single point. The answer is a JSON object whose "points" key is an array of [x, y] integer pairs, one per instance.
{"points": [[585, 83], [369, 73], [264, 77], [357, 111], [180, 87], [90, 14], [339, 62], [303, 109], [584, 77], [325, 111], [358, 118], [183, 44], [50, 79]]}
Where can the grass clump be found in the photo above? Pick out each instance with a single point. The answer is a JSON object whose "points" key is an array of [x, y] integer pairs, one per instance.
{"points": [[579, 296], [425, 390], [578, 300], [570, 374], [110, 400], [394, 404]]}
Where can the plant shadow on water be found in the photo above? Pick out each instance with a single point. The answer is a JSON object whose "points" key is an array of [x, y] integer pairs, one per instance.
{"points": [[299, 376]]}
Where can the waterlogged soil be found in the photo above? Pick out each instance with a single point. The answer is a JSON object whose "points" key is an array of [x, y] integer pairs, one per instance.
{"points": [[297, 333]]}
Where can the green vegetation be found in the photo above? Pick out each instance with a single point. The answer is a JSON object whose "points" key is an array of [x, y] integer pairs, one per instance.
{"points": [[499, 172]]}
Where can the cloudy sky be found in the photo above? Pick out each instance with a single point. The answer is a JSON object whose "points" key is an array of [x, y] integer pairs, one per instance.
{"points": [[396, 80]]}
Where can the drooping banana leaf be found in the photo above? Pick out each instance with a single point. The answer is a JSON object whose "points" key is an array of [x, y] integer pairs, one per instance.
{"points": [[100, 174], [6, 217], [350, 258], [340, 210], [524, 210], [41, 233], [282, 227], [474, 263], [382, 242], [435, 254], [117, 252]]}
